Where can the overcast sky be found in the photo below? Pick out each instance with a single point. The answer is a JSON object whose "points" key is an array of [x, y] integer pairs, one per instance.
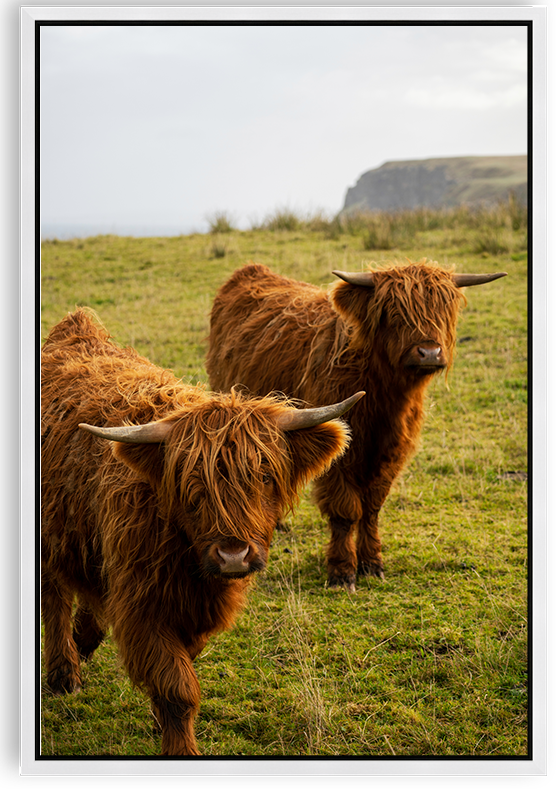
{"points": [[164, 125]]}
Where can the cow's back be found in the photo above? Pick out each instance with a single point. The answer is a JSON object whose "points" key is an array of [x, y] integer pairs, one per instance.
{"points": [[270, 334]]}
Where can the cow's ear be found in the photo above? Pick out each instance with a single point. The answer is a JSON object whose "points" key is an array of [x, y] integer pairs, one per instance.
{"points": [[351, 303], [145, 459], [314, 449]]}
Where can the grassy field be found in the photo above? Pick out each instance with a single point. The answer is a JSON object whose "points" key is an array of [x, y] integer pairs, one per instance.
{"points": [[433, 662]]}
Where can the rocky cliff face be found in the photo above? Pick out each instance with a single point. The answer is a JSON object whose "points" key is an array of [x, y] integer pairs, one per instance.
{"points": [[437, 182]]}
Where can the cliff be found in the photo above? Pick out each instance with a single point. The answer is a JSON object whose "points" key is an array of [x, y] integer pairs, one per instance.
{"points": [[438, 182]]}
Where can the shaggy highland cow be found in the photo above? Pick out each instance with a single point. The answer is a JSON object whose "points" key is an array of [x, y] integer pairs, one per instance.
{"points": [[157, 532], [388, 330]]}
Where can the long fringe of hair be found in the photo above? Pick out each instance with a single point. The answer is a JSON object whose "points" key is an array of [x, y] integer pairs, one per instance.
{"points": [[420, 297]]}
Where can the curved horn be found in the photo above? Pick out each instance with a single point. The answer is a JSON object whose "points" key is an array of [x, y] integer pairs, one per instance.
{"points": [[296, 418], [152, 433], [156, 432], [464, 279], [356, 278]]}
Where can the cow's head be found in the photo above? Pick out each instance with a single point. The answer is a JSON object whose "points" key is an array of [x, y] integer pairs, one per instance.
{"points": [[227, 468], [405, 315]]}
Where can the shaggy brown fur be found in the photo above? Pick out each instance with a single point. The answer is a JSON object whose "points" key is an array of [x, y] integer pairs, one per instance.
{"points": [[272, 333], [131, 531]]}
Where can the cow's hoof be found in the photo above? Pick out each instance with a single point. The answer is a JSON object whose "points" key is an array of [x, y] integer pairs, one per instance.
{"points": [[347, 582], [371, 569], [63, 682]]}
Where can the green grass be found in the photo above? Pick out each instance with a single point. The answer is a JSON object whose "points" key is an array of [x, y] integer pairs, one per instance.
{"points": [[433, 662]]}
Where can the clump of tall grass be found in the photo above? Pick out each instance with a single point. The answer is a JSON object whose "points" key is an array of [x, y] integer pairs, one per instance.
{"points": [[220, 245], [498, 227], [493, 241], [218, 249], [220, 222], [389, 230], [283, 220], [320, 222], [381, 233], [509, 214]]}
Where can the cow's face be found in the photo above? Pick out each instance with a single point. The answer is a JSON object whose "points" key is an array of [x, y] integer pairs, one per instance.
{"points": [[229, 503], [226, 473], [405, 319], [412, 350]]}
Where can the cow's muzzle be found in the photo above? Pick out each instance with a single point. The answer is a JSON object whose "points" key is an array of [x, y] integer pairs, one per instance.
{"points": [[426, 357], [233, 562], [235, 559]]}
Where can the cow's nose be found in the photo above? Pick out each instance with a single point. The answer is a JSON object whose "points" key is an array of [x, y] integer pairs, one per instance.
{"points": [[429, 355], [233, 562]]}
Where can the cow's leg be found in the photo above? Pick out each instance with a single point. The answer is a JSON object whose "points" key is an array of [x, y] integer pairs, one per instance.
{"points": [[341, 554], [176, 720], [87, 633], [369, 548], [159, 662], [339, 500], [61, 656]]}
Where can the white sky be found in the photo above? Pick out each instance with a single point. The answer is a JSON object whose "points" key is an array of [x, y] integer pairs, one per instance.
{"points": [[165, 125]]}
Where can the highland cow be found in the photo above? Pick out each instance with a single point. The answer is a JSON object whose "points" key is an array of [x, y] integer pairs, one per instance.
{"points": [[157, 531], [388, 330]]}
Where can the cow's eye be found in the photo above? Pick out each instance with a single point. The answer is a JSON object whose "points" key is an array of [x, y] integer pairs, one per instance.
{"points": [[266, 478]]}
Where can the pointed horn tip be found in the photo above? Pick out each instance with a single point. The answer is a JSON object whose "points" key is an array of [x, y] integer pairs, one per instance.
{"points": [[365, 279], [296, 419], [102, 433], [355, 398], [150, 433], [475, 279], [345, 276]]}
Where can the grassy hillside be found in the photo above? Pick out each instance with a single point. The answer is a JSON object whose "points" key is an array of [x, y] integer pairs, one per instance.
{"points": [[433, 662]]}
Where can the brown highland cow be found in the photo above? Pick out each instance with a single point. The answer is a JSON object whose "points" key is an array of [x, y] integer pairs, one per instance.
{"points": [[387, 331], [157, 532]]}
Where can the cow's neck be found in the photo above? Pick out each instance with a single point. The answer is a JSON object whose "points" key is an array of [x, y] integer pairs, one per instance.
{"points": [[392, 399]]}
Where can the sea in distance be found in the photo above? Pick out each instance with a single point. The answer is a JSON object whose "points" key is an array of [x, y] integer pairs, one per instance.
{"points": [[77, 230]]}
